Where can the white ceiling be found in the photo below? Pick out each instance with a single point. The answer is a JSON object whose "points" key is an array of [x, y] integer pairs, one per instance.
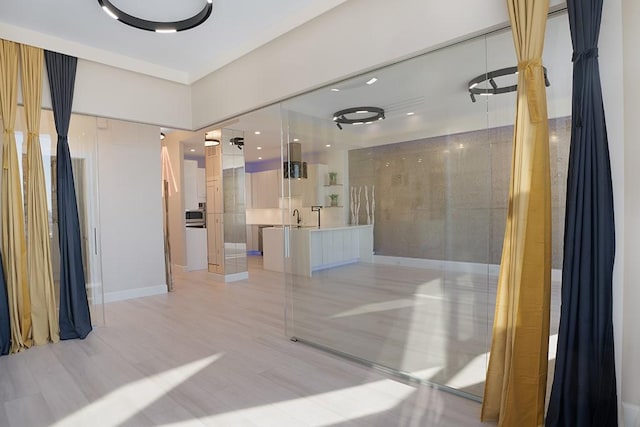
{"points": [[82, 29]]}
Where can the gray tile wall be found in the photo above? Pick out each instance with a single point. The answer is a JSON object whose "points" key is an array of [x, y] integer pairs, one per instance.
{"points": [[445, 198]]}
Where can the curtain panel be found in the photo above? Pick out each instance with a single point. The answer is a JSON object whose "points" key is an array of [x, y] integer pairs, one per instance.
{"points": [[12, 215], [39, 270], [516, 377], [75, 319], [584, 383], [5, 328]]}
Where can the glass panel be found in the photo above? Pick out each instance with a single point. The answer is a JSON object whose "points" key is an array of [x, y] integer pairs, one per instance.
{"points": [[233, 182], [412, 187], [82, 144], [428, 185]]}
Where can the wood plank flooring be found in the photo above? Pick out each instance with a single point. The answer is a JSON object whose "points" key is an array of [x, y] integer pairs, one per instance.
{"points": [[209, 354]]}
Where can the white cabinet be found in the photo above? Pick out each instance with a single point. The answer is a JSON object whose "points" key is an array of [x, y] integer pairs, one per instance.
{"points": [[201, 185], [253, 243], [189, 184], [248, 193], [265, 189]]}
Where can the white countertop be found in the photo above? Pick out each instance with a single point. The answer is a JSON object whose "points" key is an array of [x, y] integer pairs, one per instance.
{"points": [[322, 228]]}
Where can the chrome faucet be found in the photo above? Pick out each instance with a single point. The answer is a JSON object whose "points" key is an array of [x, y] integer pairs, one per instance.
{"points": [[317, 209], [298, 220]]}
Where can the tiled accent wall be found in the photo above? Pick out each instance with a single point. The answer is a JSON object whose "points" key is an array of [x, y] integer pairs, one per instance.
{"points": [[445, 198]]}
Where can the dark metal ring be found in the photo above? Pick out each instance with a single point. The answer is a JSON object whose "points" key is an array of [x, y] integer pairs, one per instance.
{"points": [[377, 114], [157, 26], [494, 89]]}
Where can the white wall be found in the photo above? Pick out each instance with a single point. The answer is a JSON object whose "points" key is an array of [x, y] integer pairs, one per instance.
{"points": [[356, 36], [115, 93], [130, 210], [631, 159], [105, 91]]}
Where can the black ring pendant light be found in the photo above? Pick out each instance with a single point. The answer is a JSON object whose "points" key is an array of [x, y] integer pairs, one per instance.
{"points": [[495, 89], [374, 114], [157, 26]]}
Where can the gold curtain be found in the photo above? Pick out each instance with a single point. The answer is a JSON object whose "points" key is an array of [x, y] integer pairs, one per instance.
{"points": [[12, 215], [39, 271], [517, 374]]}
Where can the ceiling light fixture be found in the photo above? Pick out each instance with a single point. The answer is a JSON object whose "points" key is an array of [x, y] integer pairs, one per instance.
{"points": [[157, 26], [257, 132], [342, 117], [372, 81], [210, 140], [238, 141], [335, 89], [259, 148], [162, 136], [494, 89], [410, 113]]}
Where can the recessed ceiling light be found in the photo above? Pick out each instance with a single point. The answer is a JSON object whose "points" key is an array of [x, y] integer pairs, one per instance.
{"points": [[257, 132], [372, 81], [335, 89], [259, 158], [328, 145], [410, 113], [295, 140], [259, 148], [193, 150]]}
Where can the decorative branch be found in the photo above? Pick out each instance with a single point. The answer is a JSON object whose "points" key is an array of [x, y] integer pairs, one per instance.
{"points": [[366, 200]]}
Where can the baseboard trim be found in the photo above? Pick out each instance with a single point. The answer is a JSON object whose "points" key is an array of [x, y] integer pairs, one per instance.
{"points": [[134, 293], [463, 267], [227, 278], [631, 415], [181, 268]]}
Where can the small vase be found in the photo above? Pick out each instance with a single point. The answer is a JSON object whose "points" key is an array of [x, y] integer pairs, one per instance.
{"points": [[333, 178]]}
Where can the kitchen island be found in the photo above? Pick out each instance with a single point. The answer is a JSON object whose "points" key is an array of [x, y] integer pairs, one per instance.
{"points": [[314, 249]]}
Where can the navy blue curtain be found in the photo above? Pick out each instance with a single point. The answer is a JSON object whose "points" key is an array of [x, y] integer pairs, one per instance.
{"points": [[5, 327], [584, 384], [75, 320]]}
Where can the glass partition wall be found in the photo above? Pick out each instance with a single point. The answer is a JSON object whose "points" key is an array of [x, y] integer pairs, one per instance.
{"points": [[389, 192], [404, 206], [83, 147]]}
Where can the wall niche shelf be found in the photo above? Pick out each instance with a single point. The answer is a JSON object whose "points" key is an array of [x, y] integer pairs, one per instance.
{"points": [[333, 185]]}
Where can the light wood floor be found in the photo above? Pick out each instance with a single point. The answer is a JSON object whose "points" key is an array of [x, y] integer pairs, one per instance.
{"points": [[209, 354], [434, 324]]}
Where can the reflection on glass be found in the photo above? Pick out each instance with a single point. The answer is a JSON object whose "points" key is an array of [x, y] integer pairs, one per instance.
{"points": [[82, 144], [233, 190], [440, 166]]}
